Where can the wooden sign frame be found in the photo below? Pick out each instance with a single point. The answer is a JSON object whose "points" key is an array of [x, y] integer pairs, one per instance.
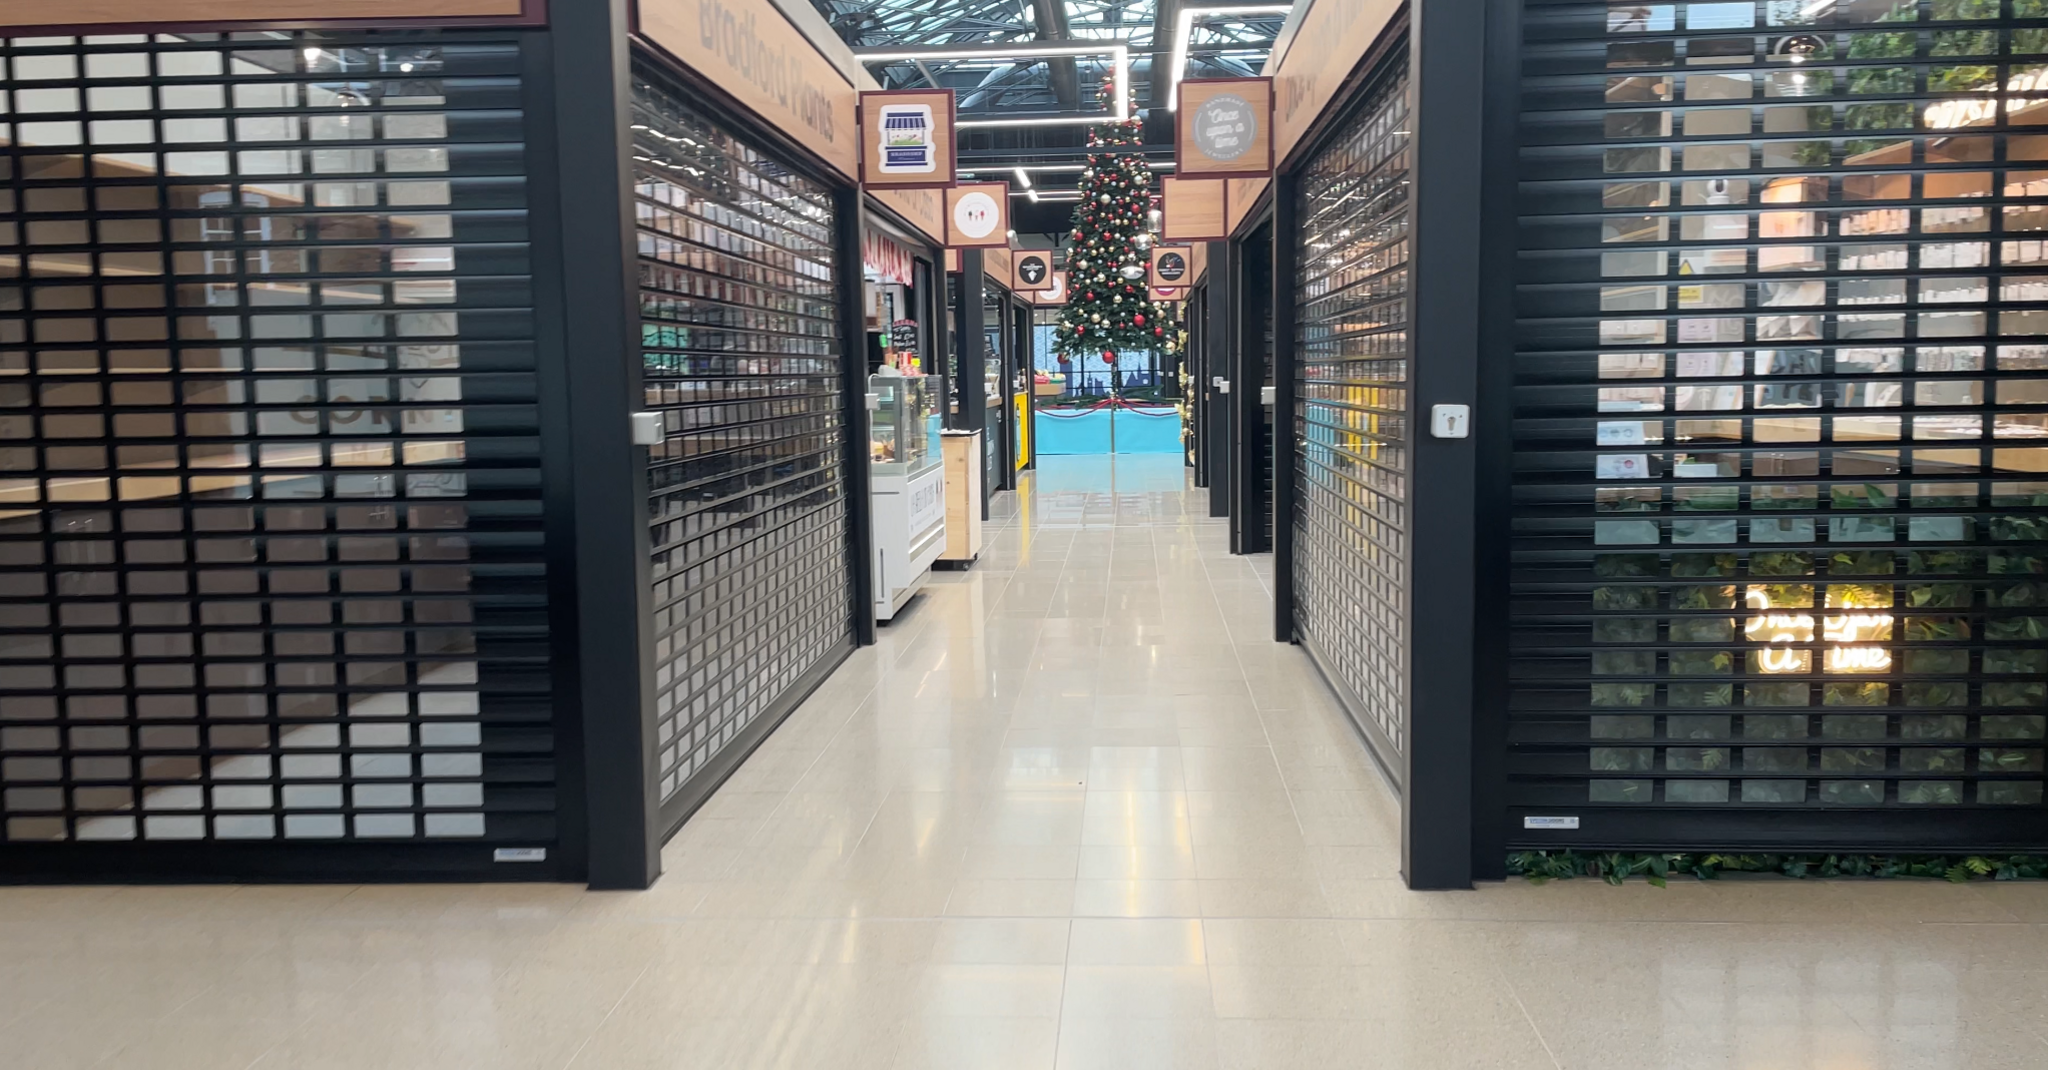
{"points": [[1186, 253], [1189, 216], [997, 191], [943, 108], [103, 16], [1053, 297], [1017, 263], [1189, 159]]}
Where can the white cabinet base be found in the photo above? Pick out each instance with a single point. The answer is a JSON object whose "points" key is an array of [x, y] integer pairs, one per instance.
{"points": [[910, 531]]}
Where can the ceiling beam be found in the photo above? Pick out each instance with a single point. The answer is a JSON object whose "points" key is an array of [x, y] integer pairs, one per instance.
{"points": [[1163, 21], [1051, 19]]}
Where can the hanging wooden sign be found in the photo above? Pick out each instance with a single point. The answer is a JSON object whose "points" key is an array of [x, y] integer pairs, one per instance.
{"points": [[906, 139], [1032, 271], [978, 214], [1192, 209], [1056, 294], [1223, 128], [1172, 265]]}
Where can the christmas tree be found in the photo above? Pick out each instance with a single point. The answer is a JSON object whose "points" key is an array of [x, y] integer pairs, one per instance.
{"points": [[1109, 304]]}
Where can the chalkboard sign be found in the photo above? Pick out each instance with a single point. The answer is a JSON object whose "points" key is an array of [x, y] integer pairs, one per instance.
{"points": [[903, 335]]}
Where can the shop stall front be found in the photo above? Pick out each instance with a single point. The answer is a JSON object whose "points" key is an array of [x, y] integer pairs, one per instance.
{"points": [[512, 460], [908, 479]]}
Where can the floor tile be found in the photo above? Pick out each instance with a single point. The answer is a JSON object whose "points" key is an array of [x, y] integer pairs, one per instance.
{"points": [[1075, 810]]}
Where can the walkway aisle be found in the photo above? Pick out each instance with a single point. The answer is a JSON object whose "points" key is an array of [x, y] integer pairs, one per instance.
{"points": [[1075, 812]]}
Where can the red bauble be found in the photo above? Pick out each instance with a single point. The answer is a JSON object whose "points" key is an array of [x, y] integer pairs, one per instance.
{"points": [[1108, 357], [1063, 359], [1158, 331], [1139, 319], [1090, 295]]}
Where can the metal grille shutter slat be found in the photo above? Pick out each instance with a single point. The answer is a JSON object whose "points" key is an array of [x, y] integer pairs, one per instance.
{"points": [[270, 530], [748, 493], [1778, 533], [1351, 564]]}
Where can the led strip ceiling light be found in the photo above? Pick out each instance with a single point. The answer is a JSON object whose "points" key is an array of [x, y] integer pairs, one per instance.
{"points": [[1025, 188], [1185, 29], [1120, 54]]}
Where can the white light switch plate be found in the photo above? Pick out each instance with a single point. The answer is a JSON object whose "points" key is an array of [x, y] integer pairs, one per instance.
{"points": [[1450, 421]]}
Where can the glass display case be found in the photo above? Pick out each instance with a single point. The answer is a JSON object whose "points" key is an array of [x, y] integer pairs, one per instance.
{"points": [[904, 427]]}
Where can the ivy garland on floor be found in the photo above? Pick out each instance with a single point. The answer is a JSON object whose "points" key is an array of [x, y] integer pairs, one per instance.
{"points": [[1615, 867]]}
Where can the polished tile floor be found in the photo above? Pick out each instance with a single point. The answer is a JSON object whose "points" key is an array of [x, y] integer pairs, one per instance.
{"points": [[1075, 811]]}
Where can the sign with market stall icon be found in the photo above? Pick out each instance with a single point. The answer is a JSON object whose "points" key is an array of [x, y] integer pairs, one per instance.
{"points": [[906, 139]]}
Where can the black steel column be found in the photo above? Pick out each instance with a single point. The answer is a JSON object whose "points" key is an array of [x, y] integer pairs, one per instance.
{"points": [[1216, 348], [1285, 439], [591, 361], [1448, 128], [1493, 439], [853, 387], [973, 395]]}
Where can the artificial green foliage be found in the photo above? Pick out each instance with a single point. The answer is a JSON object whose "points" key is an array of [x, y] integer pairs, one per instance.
{"points": [[1881, 79], [1616, 867], [1953, 10], [1972, 78], [1861, 563], [1109, 305], [1781, 563], [1964, 43]]}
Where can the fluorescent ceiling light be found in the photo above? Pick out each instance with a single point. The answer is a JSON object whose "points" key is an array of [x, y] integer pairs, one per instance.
{"points": [[1023, 178], [1048, 168], [1119, 54], [1185, 29]]}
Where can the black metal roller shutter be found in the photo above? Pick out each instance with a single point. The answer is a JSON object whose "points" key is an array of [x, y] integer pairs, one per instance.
{"points": [[1778, 530], [752, 593], [1351, 424], [270, 524]]}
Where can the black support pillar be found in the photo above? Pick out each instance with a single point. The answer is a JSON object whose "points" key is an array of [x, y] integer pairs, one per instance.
{"points": [[1285, 253], [1216, 349], [860, 529], [594, 329], [1445, 318], [973, 370]]}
